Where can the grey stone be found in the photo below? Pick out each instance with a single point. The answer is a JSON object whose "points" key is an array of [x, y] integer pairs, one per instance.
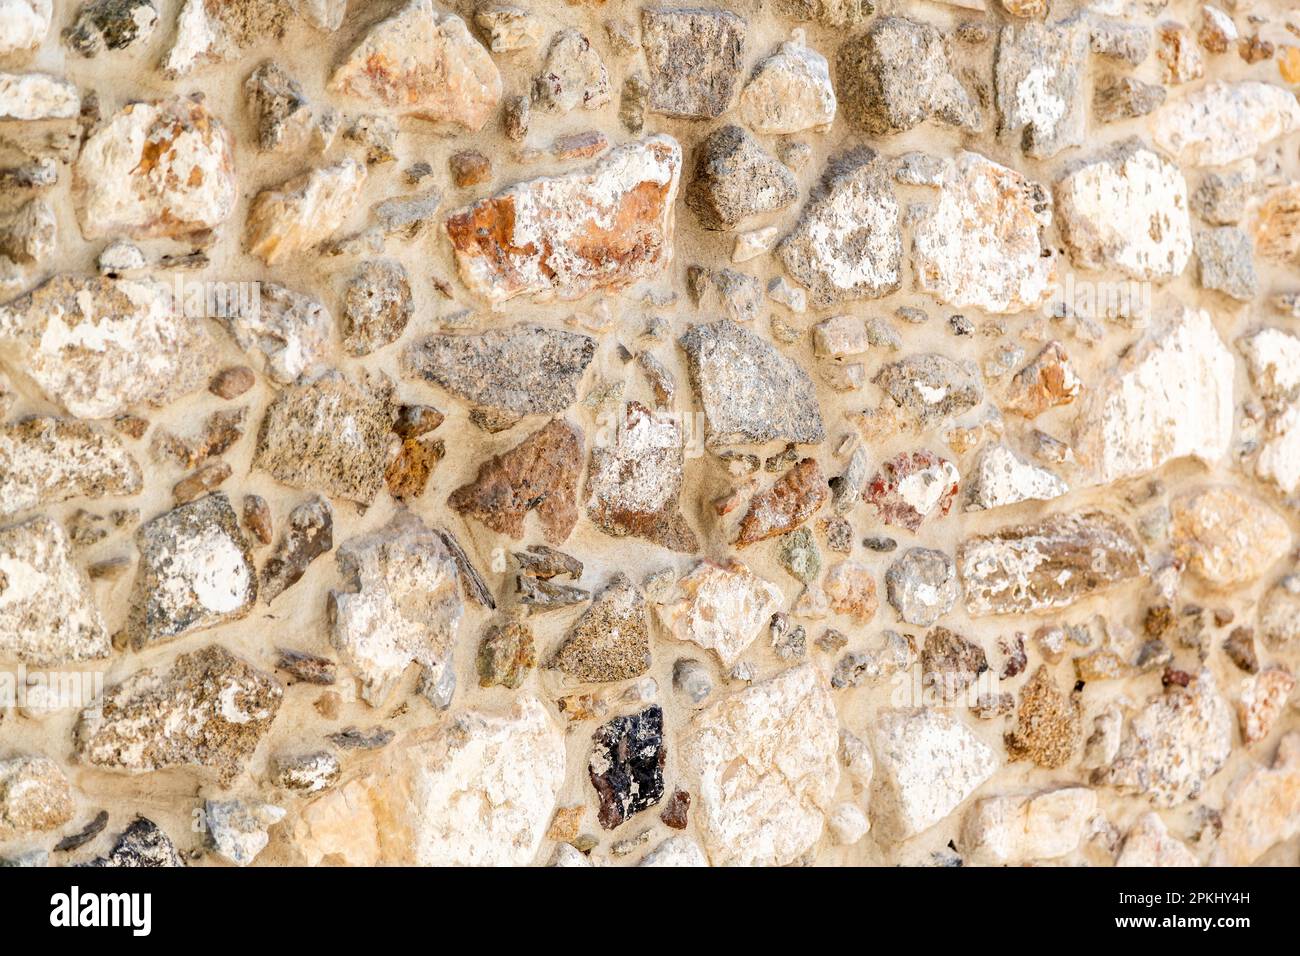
{"points": [[736, 178], [695, 57], [111, 25], [750, 392], [1227, 263], [310, 533], [1117, 98], [1221, 198], [897, 75], [1038, 76], [725, 293], [922, 586], [377, 306], [691, 679], [931, 389]]}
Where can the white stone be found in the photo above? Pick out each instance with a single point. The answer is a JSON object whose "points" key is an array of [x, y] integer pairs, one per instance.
{"points": [[23, 24], [1273, 360], [840, 335], [722, 608], [237, 829], [1223, 122], [291, 331], [479, 791], [326, 15], [97, 346], [288, 219], [1127, 210], [676, 851], [509, 28], [402, 605], [789, 92], [1003, 478], [847, 824], [1262, 807], [765, 760], [1149, 843], [48, 615], [160, 169], [752, 244], [46, 460], [424, 64], [980, 245], [1170, 397], [37, 96], [1012, 830], [927, 763]]}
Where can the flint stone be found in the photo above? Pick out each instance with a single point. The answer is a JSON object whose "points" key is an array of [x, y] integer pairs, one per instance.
{"points": [[561, 237], [626, 767]]}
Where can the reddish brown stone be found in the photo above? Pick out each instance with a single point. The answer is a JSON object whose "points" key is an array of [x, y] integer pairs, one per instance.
{"points": [[257, 518], [912, 486], [409, 471], [210, 476], [790, 502], [676, 809], [1049, 380], [232, 382], [541, 472], [469, 167]]}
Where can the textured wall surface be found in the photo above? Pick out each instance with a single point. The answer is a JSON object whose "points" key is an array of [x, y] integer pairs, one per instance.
{"points": [[581, 433]]}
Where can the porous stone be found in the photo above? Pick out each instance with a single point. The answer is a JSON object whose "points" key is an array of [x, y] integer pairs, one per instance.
{"points": [[749, 391], [720, 607], [44, 460], [423, 64], [766, 761], [35, 796], [141, 844], [695, 57], [931, 389], [611, 641], [196, 571], [981, 244], [400, 605], [1049, 724], [377, 305], [847, 243], [506, 655], [292, 332], [735, 179], [561, 237], [922, 586], [1049, 564], [210, 709]]}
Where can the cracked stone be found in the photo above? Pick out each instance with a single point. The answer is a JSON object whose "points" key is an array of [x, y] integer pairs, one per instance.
{"points": [[210, 709], [400, 605]]}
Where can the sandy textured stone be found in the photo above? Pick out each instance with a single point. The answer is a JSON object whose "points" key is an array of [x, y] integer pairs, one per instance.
{"points": [[927, 764], [847, 244], [1101, 202], [477, 792], [1149, 844], [766, 763], [209, 709], [1003, 478], [196, 571], [1263, 807], [789, 92], [794, 498], [329, 435], [750, 392], [611, 641], [1013, 830], [34, 796], [981, 245], [1223, 122], [1049, 727], [540, 473], [695, 57], [897, 75], [1170, 397], [1038, 75], [634, 485], [48, 616], [400, 605], [1226, 538], [1173, 745], [735, 179], [720, 607], [47, 460], [96, 346], [288, 219], [212, 33], [561, 237], [851, 591], [515, 371], [162, 169], [423, 63], [1050, 564]]}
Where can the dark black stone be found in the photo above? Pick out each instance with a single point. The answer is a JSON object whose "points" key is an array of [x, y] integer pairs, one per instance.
{"points": [[627, 765]]}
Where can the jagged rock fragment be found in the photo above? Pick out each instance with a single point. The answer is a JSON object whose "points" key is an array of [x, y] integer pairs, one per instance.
{"points": [[720, 607], [695, 58], [626, 765]]}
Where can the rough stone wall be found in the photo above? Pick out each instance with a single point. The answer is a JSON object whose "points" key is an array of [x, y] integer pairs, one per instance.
{"points": [[615, 434]]}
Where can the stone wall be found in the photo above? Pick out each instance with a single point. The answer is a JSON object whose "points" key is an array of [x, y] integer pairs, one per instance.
{"points": [[617, 434]]}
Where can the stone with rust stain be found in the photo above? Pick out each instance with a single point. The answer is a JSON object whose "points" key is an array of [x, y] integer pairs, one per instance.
{"points": [[633, 487], [424, 64], [506, 654], [164, 169], [1049, 723], [1048, 381], [541, 473], [611, 641], [1049, 564], [408, 472], [286, 220], [210, 709], [791, 501], [911, 486], [600, 228]]}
